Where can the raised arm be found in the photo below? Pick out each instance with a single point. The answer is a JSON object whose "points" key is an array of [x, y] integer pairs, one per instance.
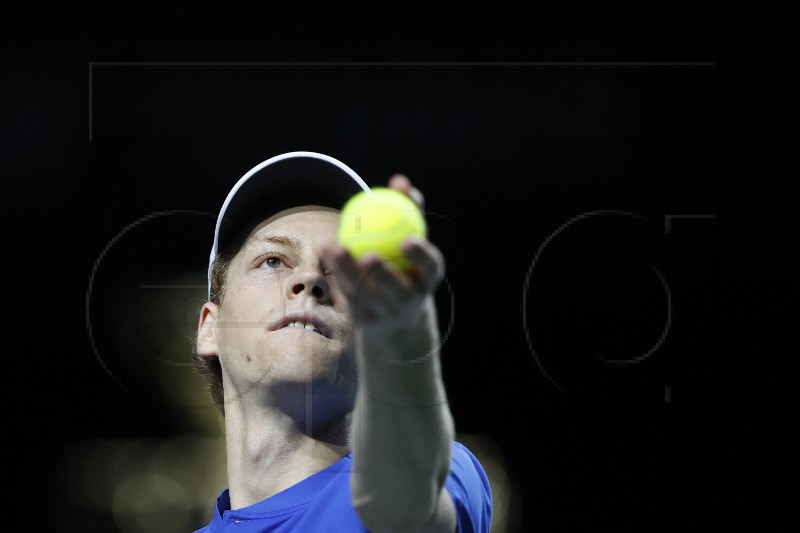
{"points": [[402, 426]]}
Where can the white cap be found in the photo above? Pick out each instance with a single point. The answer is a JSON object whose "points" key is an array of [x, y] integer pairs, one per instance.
{"points": [[281, 182]]}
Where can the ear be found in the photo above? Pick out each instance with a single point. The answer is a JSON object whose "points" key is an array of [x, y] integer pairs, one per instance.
{"points": [[207, 345]]}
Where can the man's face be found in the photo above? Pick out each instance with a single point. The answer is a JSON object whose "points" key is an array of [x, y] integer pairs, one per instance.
{"points": [[284, 322]]}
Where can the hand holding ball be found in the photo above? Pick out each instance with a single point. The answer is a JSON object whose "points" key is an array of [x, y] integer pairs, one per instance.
{"points": [[378, 222]]}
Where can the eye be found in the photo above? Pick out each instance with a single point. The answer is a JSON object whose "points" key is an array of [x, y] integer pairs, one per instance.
{"points": [[270, 261]]}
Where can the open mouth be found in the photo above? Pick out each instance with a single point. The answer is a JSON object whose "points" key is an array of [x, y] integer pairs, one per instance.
{"points": [[308, 326]]}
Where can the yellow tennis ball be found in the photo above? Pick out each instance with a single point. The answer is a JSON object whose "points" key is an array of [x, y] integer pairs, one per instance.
{"points": [[378, 222]]}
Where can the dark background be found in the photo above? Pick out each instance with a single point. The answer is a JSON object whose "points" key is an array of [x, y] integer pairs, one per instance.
{"points": [[560, 150]]}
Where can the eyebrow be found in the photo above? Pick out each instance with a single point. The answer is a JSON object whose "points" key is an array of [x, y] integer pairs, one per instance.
{"points": [[284, 240]]}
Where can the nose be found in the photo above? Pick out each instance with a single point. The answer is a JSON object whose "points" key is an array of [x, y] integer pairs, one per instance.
{"points": [[312, 282]]}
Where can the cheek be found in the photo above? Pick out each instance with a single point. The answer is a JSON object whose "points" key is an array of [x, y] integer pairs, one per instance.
{"points": [[242, 311], [255, 294]]}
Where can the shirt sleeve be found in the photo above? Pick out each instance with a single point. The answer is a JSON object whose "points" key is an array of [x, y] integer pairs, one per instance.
{"points": [[469, 488]]}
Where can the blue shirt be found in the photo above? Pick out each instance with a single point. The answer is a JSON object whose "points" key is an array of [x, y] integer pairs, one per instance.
{"points": [[321, 502]]}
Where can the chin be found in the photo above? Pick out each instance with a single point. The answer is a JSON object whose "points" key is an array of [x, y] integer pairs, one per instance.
{"points": [[320, 366]]}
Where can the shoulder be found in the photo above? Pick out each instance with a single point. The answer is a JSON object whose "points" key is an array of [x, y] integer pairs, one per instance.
{"points": [[468, 486]]}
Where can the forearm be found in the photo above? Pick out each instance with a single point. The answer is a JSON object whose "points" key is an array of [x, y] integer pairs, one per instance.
{"points": [[402, 427]]}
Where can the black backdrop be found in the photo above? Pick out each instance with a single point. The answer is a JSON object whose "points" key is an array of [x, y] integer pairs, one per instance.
{"points": [[610, 198]]}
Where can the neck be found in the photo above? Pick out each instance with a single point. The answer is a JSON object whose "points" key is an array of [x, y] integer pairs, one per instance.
{"points": [[268, 451]]}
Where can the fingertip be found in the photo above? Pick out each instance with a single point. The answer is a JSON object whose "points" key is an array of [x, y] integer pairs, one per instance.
{"points": [[411, 243], [422, 250], [398, 178], [400, 182], [417, 196], [369, 260]]}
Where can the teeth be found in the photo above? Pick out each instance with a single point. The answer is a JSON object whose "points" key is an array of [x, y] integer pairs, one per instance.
{"points": [[302, 325]]}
